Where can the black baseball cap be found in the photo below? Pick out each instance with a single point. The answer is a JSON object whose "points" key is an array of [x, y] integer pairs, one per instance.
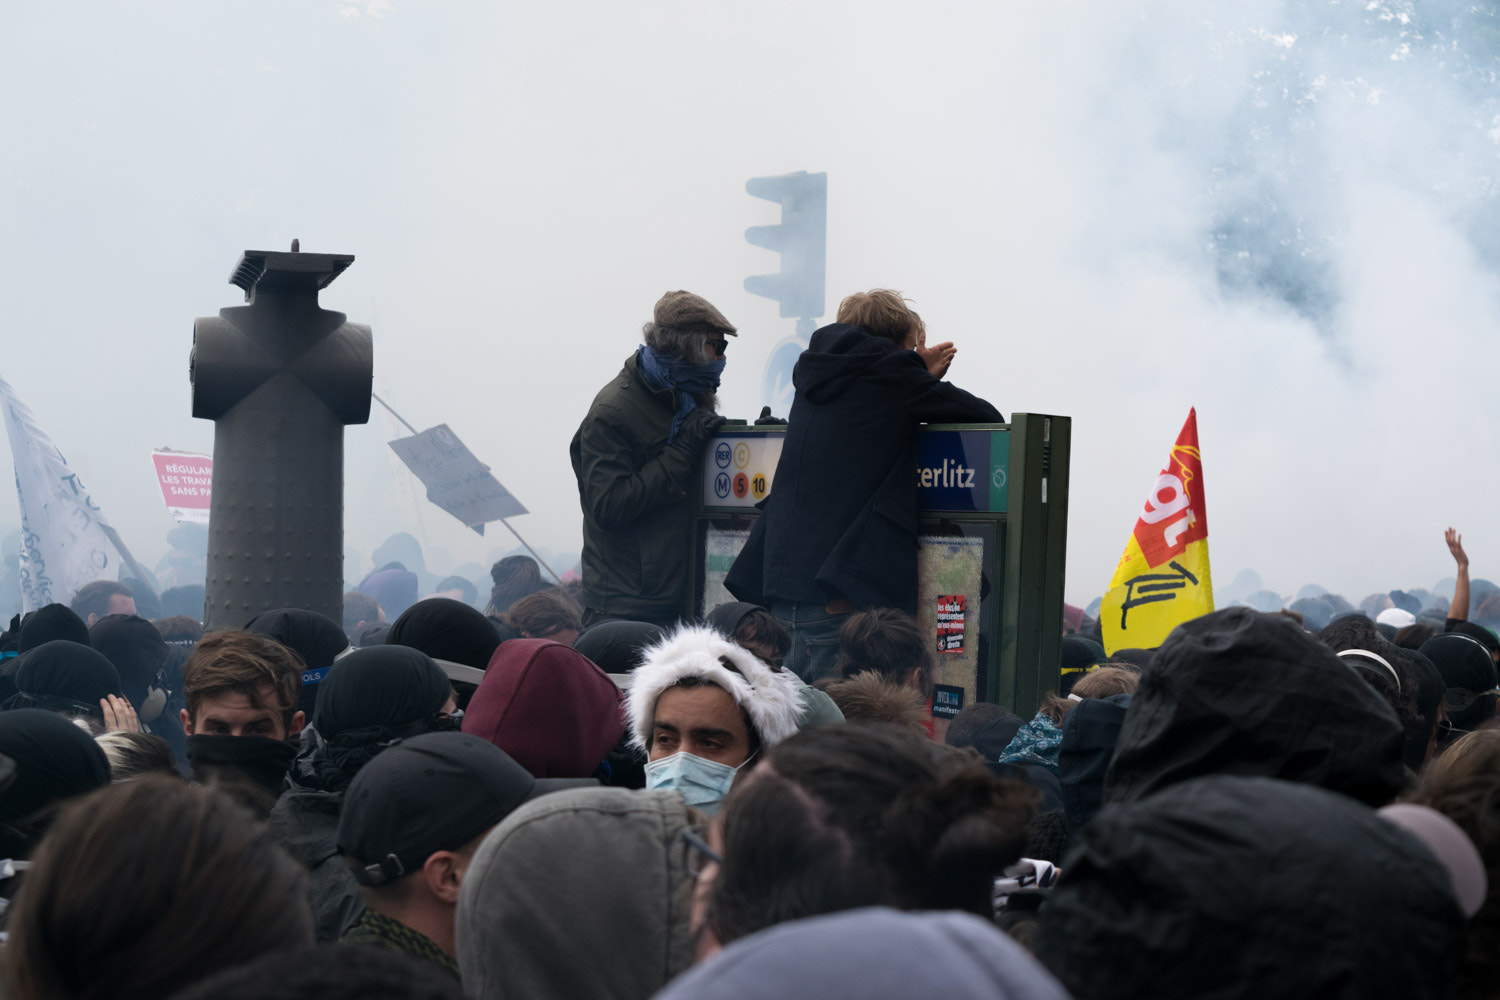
{"points": [[434, 792]]}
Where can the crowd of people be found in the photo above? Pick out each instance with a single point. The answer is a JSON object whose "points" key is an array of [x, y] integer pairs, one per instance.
{"points": [[581, 791]]}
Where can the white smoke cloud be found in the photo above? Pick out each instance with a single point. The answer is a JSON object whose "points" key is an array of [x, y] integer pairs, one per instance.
{"points": [[1301, 198], [1282, 213]]}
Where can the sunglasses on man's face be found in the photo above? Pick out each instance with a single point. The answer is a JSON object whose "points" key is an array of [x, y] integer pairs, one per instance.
{"points": [[719, 344]]}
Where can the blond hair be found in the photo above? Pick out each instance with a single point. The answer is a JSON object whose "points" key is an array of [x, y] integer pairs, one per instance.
{"points": [[884, 313], [1101, 683]]}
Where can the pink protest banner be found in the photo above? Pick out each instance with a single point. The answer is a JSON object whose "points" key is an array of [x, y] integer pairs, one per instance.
{"points": [[185, 483]]}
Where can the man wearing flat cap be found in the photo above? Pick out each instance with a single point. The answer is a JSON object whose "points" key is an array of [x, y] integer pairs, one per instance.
{"points": [[637, 457]]}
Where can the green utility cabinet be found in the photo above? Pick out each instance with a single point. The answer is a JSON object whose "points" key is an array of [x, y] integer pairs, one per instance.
{"points": [[991, 549]]}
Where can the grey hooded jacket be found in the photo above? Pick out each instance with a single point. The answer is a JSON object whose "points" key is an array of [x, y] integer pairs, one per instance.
{"points": [[579, 894], [875, 954]]}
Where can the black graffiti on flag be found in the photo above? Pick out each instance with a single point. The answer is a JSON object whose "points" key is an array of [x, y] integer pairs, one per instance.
{"points": [[1149, 588]]}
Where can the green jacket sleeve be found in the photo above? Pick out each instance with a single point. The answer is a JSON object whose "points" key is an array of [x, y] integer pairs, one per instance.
{"points": [[615, 491]]}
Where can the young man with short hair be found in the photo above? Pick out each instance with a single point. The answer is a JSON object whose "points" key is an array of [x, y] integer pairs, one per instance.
{"points": [[241, 691], [361, 612], [410, 824], [101, 598]]}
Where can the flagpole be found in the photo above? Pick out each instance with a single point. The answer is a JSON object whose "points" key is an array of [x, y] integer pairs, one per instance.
{"points": [[135, 567], [540, 561]]}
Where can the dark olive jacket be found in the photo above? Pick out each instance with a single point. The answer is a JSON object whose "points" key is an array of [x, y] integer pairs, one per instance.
{"points": [[637, 499]]}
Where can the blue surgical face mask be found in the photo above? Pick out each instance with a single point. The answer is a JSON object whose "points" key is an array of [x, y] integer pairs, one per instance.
{"points": [[702, 783]]}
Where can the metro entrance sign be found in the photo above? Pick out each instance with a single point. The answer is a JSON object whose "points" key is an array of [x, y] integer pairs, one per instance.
{"points": [[963, 470], [991, 543], [959, 469], [739, 467]]}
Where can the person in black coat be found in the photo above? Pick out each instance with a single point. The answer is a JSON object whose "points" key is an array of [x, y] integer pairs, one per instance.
{"points": [[839, 531]]}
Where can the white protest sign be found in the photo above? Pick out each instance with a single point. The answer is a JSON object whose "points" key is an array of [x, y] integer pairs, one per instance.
{"points": [[456, 481]]}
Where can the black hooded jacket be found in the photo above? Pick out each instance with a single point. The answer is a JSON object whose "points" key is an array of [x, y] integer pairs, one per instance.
{"points": [[1240, 692], [50, 623], [375, 697], [65, 677], [1238, 888], [316, 638], [1091, 731], [46, 624], [446, 629], [841, 521], [1469, 674], [54, 760], [140, 654]]}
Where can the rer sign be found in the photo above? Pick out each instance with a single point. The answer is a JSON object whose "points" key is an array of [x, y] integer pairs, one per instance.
{"points": [[960, 469]]}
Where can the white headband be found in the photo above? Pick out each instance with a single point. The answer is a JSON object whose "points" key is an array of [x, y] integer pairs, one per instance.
{"points": [[1367, 655], [1464, 635]]}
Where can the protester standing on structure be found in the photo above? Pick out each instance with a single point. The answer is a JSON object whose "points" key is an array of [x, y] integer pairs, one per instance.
{"points": [[636, 456], [840, 528]]}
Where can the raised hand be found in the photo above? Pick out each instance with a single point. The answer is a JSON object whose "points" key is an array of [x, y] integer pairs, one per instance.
{"points": [[1456, 546], [119, 715], [938, 357]]}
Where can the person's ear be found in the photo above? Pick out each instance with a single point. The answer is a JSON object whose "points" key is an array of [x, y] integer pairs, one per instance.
{"points": [[299, 720], [444, 874], [187, 722]]}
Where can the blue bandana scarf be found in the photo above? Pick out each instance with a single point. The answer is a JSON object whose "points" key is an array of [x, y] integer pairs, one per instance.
{"points": [[665, 372], [1037, 742]]}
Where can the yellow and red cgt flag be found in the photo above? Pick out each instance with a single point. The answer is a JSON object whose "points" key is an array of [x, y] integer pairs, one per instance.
{"points": [[1163, 579]]}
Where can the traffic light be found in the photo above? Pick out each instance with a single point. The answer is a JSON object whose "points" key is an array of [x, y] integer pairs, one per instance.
{"points": [[801, 240]]}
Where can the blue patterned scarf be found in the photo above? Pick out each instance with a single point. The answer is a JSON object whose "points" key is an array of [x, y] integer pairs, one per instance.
{"points": [[1037, 742], [666, 372]]}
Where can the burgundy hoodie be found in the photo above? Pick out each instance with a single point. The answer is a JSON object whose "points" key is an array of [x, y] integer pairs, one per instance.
{"points": [[549, 707]]}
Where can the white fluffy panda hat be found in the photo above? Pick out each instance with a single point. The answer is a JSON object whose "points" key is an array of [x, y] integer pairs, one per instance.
{"points": [[771, 698]]}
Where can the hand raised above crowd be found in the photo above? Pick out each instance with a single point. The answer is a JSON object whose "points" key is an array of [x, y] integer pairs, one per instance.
{"points": [[1456, 546], [1459, 607]]}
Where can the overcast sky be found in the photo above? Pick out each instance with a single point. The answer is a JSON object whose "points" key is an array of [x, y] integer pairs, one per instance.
{"points": [[1117, 211]]}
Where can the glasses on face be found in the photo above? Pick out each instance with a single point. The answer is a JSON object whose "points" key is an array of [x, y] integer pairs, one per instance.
{"points": [[699, 853], [719, 344]]}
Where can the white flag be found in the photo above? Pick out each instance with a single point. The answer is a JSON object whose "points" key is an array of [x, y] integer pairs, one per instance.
{"points": [[65, 540]]}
